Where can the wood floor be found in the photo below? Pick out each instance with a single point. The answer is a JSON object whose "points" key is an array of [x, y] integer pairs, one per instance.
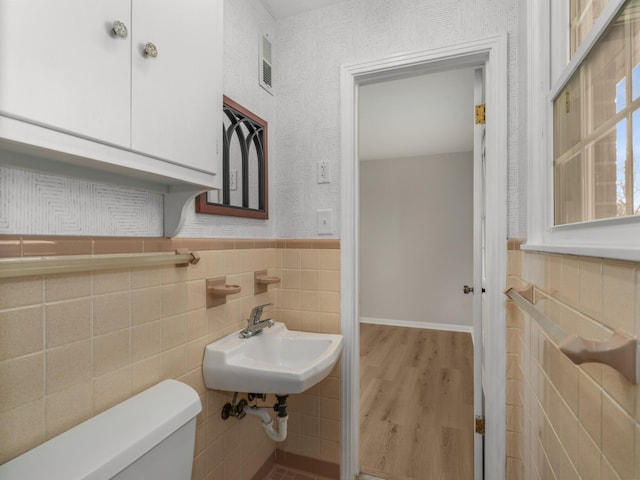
{"points": [[416, 403]]}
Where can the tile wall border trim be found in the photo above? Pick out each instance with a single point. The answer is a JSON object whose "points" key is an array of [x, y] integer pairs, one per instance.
{"points": [[515, 243], [45, 245]]}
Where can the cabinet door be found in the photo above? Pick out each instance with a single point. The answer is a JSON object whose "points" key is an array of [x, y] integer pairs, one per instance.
{"points": [[176, 111], [62, 67]]}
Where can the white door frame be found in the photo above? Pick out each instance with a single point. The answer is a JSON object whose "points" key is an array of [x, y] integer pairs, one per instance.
{"points": [[478, 274], [491, 53]]}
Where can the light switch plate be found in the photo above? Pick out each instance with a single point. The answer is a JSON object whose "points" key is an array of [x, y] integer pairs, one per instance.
{"points": [[325, 221]]}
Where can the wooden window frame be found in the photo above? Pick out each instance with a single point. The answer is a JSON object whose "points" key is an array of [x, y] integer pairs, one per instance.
{"points": [[202, 203]]}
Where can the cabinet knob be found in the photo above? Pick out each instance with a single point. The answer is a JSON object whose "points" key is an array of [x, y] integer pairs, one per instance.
{"points": [[150, 50], [120, 29]]}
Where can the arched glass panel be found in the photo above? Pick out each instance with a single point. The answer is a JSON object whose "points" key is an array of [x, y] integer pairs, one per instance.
{"points": [[244, 167]]}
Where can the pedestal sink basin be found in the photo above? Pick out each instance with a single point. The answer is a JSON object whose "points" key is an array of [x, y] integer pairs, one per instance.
{"points": [[277, 360]]}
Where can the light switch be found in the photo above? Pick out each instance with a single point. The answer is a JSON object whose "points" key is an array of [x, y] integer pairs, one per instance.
{"points": [[325, 222]]}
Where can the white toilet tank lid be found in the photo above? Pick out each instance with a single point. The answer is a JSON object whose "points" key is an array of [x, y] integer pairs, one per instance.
{"points": [[107, 443]]}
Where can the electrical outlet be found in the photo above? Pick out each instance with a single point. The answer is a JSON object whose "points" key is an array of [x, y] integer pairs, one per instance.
{"points": [[325, 222], [324, 172], [233, 180]]}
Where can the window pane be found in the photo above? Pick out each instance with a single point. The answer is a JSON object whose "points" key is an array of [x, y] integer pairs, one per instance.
{"points": [[621, 168], [568, 118], [604, 71], [609, 173], [595, 123], [569, 183], [254, 177], [621, 95], [584, 13], [235, 167], [592, 184], [635, 133]]}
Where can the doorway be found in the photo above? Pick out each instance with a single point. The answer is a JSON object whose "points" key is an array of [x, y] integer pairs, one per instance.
{"points": [[489, 54], [416, 177], [416, 404]]}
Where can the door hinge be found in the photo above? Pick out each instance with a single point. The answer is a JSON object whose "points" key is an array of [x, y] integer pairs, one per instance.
{"points": [[480, 425], [567, 102], [480, 114]]}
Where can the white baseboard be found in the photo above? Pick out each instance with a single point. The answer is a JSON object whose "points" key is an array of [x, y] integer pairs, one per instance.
{"points": [[428, 325]]}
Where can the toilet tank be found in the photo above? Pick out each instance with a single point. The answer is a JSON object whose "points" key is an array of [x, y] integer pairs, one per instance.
{"points": [[149, 436]]}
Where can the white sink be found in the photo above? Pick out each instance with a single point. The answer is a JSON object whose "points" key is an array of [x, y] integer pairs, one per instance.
{"points": [[277, 360]]}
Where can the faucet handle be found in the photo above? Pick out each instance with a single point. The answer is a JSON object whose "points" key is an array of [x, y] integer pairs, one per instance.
{"points": [[260, 307], [256, 312]]}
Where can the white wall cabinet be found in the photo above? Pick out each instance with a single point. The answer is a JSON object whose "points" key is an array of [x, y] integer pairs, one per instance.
{"points": [[73, 92], [176, 109], [61, 67]]}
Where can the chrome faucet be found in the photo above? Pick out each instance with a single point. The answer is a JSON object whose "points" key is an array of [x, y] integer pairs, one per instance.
{"points": [[254, 324]]}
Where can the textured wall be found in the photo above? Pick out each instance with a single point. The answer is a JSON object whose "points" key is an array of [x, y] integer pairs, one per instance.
{"points": [[35, 203], [311, 49], [54, 205], [244, 23]]}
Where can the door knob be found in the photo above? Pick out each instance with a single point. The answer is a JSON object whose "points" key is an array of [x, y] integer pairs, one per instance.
{"points": [[467, 290], [119, 29], [150, 50]]}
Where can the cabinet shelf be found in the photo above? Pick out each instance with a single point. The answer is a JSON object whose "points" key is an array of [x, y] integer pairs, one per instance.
{"points": [[33, 147]]}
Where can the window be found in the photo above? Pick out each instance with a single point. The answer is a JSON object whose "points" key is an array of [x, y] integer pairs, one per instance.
{"points": [[584, 127], [583, 14], [597, 121]]}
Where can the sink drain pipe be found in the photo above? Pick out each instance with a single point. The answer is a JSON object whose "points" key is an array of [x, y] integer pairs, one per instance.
{"points": [[267, 423]]}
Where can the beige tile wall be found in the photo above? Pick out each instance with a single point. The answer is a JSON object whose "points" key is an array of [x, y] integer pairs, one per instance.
{"points": [[309, 300], [566, 421], [74, 345]]}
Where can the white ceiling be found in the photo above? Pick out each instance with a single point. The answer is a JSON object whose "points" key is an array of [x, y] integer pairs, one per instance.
{"points": [[422, 115], [288, 8]]}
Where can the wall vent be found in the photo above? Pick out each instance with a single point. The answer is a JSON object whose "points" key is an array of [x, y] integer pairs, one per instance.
{"points": [[266, 64]]}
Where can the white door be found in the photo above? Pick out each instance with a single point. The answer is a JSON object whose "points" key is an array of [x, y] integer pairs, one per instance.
{"points": [[478, 272], [492, 53], [62, 67], [177, 95]]}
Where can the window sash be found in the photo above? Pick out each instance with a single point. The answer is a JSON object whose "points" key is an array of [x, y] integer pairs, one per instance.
{"points": [[599, 27], [548, 31]]}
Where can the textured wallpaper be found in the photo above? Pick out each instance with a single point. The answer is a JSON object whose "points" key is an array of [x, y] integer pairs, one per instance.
{"points": [[308, 52], [34, 204], [311, 49]]}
